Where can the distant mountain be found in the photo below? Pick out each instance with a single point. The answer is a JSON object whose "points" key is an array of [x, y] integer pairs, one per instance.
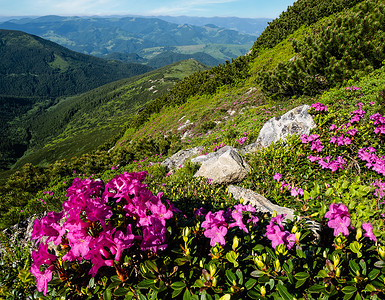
{"points": [[31, 66], [253, 26], [101, 36], [96, 35], [44, 132]]}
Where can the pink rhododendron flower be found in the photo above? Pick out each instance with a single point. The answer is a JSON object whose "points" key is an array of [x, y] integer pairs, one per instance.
{"points": [[277, 176], [339, 219], [276, 234], [319, 106], [216, 227], [369, 231]]}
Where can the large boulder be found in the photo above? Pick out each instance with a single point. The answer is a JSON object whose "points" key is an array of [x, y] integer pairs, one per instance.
{"points": [[297, 120], [179, 158], [223, 166]]}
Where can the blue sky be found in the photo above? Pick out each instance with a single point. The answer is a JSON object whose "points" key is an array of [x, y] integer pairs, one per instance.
{"points": [[202, 8]]}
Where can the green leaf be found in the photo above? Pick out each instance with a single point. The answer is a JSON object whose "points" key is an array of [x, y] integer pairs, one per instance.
{"points": [[301, 275], [230, 276], [181, 261], [355, 246], [257, 273], [151, 266], [121, 291], [146, 283], [282, 290], [107, 294], [354, 266], [253, 294], [250, 283], [198, 283], [225, 297], [91, 283], [129, 296], [301, 254], [349, 289], [379, 264], [176, 292], [317, 288], [178, 285], [373, 274], [232, 257], [114, 284], [240, 276], [186, 295]]}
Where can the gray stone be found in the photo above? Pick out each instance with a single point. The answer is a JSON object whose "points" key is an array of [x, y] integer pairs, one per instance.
{"points": [[223, 166], [261, 204], [179, 158], [297, 120]]}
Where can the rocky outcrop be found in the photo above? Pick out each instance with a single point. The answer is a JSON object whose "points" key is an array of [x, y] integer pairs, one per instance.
{"points": [[223, 166], [297, 120], [180, 158], [261, 204], [20, 234]]}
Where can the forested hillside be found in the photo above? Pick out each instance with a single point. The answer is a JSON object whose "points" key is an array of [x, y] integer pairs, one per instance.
{"points": [[45, 69], [45, 131]]}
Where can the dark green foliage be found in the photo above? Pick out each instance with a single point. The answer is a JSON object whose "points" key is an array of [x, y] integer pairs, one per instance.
{"points": [[339, 49], [302, 12], [45, 69], [50, 130]]}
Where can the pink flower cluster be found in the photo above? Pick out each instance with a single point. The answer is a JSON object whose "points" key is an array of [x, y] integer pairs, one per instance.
{"points": [[216, 225], [328, 163], [84, 227], [353, 88], [339, 219], [378, 121], [357, 114], [276, 234], [372, 161], [294, 191], [316, 144], [341, 140], [216, 148], [380, 191], [242, 140], [318, 106]]}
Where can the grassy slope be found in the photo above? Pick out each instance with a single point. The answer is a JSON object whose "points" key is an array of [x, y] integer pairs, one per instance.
{"points": [[97, 116]]}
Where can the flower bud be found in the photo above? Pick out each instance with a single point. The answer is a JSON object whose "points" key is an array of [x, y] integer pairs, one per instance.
{"points": [[277, 265], [212, 269], [338, 272], [263, 291], [297, 236], [206, 275], [214, 282], [235, 242], [381, 252], [259, 263], [358, 234], [336, 260], [186, 231], [294, 229]]}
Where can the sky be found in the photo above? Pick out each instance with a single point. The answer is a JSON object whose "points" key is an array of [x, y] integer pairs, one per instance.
{"points": [[201, 8]]}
